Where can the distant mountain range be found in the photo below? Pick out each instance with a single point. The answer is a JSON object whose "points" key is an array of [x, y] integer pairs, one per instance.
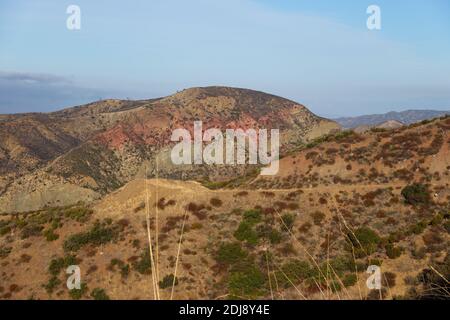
{"points": [[405, 117]]}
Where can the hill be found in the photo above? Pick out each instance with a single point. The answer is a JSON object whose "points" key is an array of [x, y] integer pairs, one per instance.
{"points": [[387, 125], [94, 149], [405, 117]]}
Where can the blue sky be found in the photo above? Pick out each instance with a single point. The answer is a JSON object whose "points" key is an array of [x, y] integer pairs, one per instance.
{"points": [[319, 53]]}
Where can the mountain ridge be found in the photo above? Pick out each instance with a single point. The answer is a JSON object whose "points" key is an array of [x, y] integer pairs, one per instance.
{"points": [[406, 117]]}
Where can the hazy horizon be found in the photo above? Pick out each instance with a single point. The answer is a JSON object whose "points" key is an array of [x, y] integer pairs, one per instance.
{"points": [[329, 116]]}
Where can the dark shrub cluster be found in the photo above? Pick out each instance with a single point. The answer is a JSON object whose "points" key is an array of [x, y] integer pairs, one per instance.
{"points": [[246, 281], [143, 264], [416, 194], [162, 203], [230, 253], [58, 264], [288, 221], [100, 233], [364, 240], [392, 251], [123, 267], [318, 217], [99, 294], [216, 202], [168, 281], [246, 230], [77, 294]]}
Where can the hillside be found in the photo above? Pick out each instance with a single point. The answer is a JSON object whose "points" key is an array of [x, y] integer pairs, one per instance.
{"points": [[340, 203], [31, 141], [387, 125], [416, 152], [94, 149], [405, 117]]}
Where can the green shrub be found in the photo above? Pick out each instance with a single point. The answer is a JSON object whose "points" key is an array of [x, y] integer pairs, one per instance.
{"points": [[144, 264], [50, 235], [80, 214], [416, 194], [115, 262], [349, 280], [51, 285], [335, 286], [97, 235], [4, 252], [77, 294], [99, 294], [70, 260], [252, 216], [419, 227], [366, 238], [57, 264], [296, 271], [5, 230], [288, 221], [393, 252], [230, 253], [342, 264], [167, 281], [267, 232], [248, 282], [245, 232], [275, 236], [124, 268], [339, 137], [32, 230]]}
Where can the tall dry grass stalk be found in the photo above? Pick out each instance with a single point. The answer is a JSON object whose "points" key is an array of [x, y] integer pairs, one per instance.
{"points": [[178, 254], [156, 295], [268, 274], [157, 223]]}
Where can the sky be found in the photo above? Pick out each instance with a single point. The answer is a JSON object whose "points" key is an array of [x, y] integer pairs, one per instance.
{"points": [[319, 53]]}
